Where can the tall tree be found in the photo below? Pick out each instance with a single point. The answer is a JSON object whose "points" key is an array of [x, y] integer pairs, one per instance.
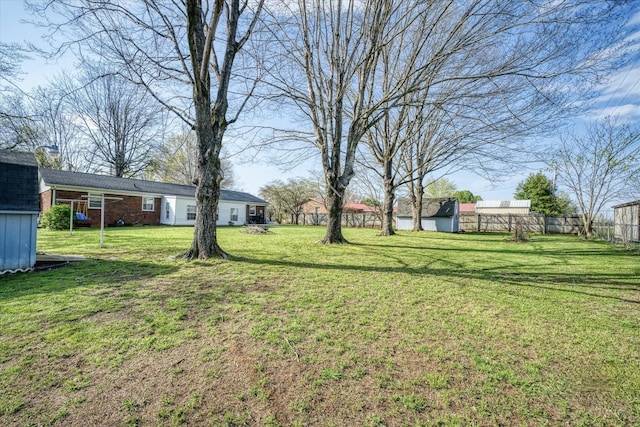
{"points": [[121, 123], [167, 47], [501, 66], [331, 51], [57, 125], [541, 191], [597, 166]]}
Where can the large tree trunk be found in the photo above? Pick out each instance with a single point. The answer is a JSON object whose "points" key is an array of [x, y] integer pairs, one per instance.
{"points": [[387, 204], [334, 202], [587, 224], [387, 215], [416, 206], [210, 125], [205, 236]]}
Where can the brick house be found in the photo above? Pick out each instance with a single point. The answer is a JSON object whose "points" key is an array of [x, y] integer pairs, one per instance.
{"points": [[140, 202], [315, 205], [314, 211]]}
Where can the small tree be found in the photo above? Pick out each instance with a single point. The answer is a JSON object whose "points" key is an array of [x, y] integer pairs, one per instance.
{"points": [[541, 191], [440, 188], [288, 197], [466, 196], [598, 167]]}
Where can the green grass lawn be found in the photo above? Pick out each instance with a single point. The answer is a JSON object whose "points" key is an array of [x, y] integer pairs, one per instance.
{"points": [[415, 329]]}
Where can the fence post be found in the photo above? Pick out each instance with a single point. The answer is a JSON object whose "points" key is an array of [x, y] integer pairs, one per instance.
{"points": [[479, 220]]}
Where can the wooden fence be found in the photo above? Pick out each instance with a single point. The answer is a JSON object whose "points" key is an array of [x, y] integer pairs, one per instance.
{"points": [[505, 223], [532, 223], [359, 220]]}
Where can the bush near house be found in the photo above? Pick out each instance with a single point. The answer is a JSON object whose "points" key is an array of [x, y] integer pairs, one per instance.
{"points": [[57, 218]]}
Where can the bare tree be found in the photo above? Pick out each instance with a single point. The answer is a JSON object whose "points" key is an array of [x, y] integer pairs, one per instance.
{"points": [[331, 50], [177, 161], [17, 124], [598, 166], [39, 119], [167, 47], [491, 87], [288, 197], [122, 125], [56, 126], [495, 59]]}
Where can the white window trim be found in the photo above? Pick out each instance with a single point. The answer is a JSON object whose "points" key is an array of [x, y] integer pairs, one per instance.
{"points": [[93, 197], [194, 212], [233, 217], [153, 204]]}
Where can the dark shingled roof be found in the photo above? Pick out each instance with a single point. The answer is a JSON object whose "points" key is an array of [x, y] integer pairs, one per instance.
{"points": [[18, 181], [431, 208], [17, 158], [112, 184]]}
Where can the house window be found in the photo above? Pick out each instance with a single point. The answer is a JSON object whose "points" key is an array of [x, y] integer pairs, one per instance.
{"points": [[252, 210], [147, 203], [191, 212], [95, 201], [234, 214], [167, 210], [317, 211]]}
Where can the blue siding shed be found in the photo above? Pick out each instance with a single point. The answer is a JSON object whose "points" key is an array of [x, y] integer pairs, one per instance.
{"points": [[19, 208]]}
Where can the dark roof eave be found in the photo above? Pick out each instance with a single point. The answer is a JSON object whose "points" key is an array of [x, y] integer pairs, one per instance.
{"points": [[77, 180], [624, 205]]}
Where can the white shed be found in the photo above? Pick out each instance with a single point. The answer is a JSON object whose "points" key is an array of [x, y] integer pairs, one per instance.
{"points": [[626, 218], [441, 214]]}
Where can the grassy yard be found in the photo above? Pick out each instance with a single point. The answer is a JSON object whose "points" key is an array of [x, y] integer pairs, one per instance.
{"points": [[416, 329]]}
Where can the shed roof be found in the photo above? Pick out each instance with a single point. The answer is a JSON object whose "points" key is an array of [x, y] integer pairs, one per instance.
{"points": [[359, 207], [467, 207], [18, 181], [17, 158], [503, 204], [624, 205], [431, 208], [54, 177]]}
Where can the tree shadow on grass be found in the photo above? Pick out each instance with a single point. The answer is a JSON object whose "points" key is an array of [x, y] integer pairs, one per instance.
{"points": [[605, 251], [83, 273], [561, 282]]}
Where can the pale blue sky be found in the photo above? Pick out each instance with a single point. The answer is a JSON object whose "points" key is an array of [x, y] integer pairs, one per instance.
{"points": [[620, 95]]}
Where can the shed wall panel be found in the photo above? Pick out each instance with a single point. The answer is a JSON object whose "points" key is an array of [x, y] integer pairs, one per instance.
{"points": [[437, 224], [17, 241], [404, 223]]}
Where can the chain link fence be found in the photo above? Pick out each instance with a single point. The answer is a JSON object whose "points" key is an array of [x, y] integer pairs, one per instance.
{"points": [[627, 235]]}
